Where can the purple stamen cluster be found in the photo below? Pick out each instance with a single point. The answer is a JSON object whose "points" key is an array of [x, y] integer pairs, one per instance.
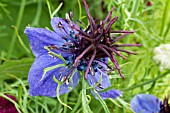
{"points": [[95, 43]]}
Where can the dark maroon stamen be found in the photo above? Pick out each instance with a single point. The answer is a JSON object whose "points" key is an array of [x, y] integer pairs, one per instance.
{"points": [[84, 33], [88, 39], [125, 45], [126, 51], [82, 54], [90, 62], [111, 22], [121, 31], [93, 26], [108, 16], [118, 38], [116, 65], [165, 107], [96, 42], [113, 50]]}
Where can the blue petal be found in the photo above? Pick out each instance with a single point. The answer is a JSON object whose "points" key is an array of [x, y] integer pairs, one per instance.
{"points": [[63, 31], [105, 83], [46, 86], [145, 103], [40, 37]]}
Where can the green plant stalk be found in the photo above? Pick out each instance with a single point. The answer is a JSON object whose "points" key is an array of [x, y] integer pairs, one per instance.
{"points": [[21, 11], [20, 40], [80, 10], [85, 106], [25, 91], [56, 10], [49, 8], [38, 14], [166, 31], [147, 82], [165, 17], [77, 104], [5, 10], [106, 109], [36, 104], [57, 92], [65, 101]]}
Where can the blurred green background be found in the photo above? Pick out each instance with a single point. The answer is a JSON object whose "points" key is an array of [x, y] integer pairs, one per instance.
{"points": [[149, 18]]}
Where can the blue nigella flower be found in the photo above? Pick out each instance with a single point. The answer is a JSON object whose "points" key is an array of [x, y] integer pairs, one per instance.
{"points": [[146, 103], [85, 50]]}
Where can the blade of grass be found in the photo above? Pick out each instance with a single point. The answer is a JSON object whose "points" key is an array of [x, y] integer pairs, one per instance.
{"points": [[56, 10], [20, 40], [146, 82], [80, 10], [38, 14], [165, 17], [21, 11], [49, 8], [77, 104], [57, 92], [85, 106], [106, 109]]}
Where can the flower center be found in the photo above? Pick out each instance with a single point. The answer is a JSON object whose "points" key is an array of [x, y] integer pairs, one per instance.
{"points": [[81, 46], [87, 47]]}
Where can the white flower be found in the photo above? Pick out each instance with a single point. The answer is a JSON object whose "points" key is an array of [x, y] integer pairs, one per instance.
{"points": [[162, 56]]}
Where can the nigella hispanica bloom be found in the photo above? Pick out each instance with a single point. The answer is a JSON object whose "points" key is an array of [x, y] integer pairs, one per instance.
{"points": [[6, 106], [146, 103], [75, 50]]}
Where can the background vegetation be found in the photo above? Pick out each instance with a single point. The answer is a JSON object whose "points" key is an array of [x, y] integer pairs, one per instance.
{"points": [[150, 19]]}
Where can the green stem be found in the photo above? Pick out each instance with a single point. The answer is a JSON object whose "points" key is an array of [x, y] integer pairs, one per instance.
{"points": [[49, 8], [77, 104], [65, 101], [85, 106], [57, 92], [147, 82], [166, 31], [38, 14], [106, 109], [80, 10], [21, 11], [165, 15]]}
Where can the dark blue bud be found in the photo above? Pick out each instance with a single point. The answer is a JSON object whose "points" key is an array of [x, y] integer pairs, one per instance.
{"points": [[72, 34]]}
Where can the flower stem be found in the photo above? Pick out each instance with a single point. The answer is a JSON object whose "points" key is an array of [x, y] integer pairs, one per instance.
{"points": [[21, 11], [102, 102], [146, 82], [85, 106]]}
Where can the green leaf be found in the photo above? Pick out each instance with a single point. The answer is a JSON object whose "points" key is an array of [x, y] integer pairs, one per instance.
{"points": [[165, 17], [56, 10], [20, 40], [106, 109], [19, 68], [85, 106]]}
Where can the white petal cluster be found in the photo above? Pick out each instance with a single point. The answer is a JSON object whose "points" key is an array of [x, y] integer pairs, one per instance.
{"points": [[162, 56]]}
